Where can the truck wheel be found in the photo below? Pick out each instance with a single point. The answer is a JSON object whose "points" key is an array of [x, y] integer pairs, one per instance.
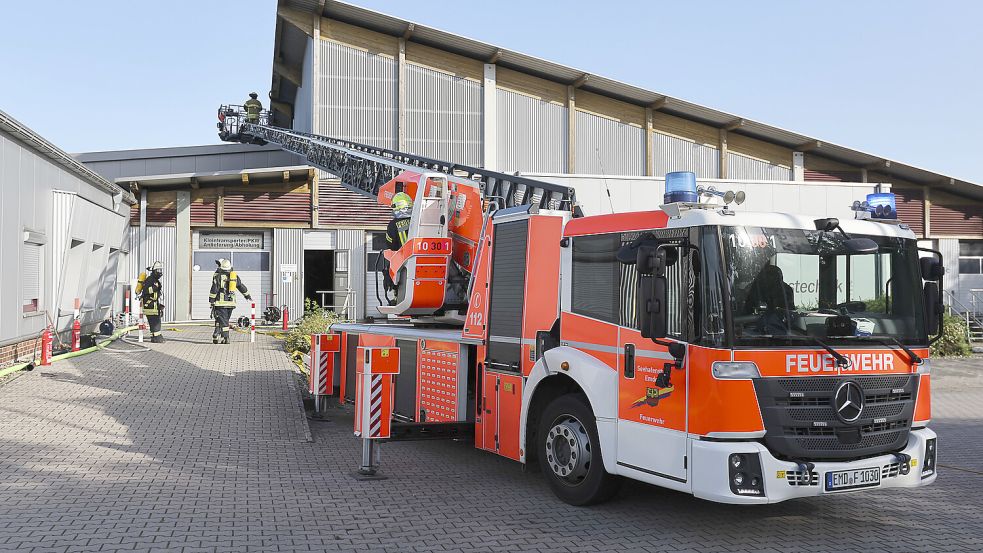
{"points": [[571, 453]]}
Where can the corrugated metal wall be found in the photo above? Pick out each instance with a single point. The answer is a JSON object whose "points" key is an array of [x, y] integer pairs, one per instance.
{"points": [[949, 248], [676, 154], [443, 116], [357, 95], [608, 147], [532, 134], [353, 240], [744, 167], [371, 285], [304, 102], [160, 247], [288, 248], [63, 204]]}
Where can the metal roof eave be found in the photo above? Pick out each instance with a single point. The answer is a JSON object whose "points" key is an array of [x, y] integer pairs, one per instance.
{"points": [[59, 156], [205, 177], [391, 25]]}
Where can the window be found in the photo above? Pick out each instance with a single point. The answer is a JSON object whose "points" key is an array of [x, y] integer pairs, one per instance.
{"points": [[597, 276], [379, 241], [32, 272], [251, 261], [205, 261], [970, 257], [605, 289]]}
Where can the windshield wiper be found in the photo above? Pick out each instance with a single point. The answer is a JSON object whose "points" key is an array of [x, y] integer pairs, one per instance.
{"points": [[889, 340], [841, 360]]}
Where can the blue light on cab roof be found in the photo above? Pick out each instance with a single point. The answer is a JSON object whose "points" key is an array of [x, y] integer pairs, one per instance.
{"points": [[681, 187], [882, 205]]}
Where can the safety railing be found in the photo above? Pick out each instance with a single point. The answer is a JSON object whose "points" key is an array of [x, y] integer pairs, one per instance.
{"points": [[346, 307], [965, 312]]}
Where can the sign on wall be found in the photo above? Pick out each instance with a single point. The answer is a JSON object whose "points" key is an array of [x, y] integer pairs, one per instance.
{"points": [[229, 241]]}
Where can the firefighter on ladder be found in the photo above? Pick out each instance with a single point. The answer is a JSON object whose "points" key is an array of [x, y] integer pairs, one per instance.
{"points": [[253, 108], [225, 284], [398, 230], [150, 291]]}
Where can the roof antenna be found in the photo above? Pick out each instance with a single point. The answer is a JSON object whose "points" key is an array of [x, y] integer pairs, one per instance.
{"points": [[597, 152]]}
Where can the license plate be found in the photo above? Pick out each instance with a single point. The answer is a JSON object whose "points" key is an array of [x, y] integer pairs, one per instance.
{"points": [[853, 479]]}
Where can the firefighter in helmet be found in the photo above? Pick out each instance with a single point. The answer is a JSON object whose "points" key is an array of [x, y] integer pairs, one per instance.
{"points": [[398, 230], [253, 108], [150, 291], [399, 227], [225, 284]]}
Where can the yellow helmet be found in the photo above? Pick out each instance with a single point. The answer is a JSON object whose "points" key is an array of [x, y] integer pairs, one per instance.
{"points": [[402, 204]]}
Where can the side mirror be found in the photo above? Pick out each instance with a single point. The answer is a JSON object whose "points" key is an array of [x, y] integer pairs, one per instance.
{"points": [[933, 308], [932, 269], [650, 260], [860, 245], [650, 306]]}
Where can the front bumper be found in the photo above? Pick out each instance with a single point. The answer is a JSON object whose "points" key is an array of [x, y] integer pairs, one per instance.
{"points": [[786, 480]]}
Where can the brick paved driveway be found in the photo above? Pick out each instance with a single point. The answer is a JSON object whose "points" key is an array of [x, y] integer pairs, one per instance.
{"points": [[199, 448]]}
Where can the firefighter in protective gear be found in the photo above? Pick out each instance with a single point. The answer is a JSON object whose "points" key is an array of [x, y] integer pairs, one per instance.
{"points": [[225, 284], [398, 230], [253, 108], [150, 291]]}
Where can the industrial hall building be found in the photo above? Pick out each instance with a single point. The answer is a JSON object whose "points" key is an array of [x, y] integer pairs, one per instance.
{"points": [[344, 71]]}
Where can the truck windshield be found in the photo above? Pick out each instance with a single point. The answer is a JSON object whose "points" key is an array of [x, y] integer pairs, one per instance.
{"points": [[789, 283]]}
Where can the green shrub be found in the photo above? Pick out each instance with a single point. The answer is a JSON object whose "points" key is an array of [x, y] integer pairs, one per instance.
{"points": [[314, 321], [953, 342]]}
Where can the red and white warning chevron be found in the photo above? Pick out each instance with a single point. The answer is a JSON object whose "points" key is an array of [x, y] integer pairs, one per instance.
{"points": [[322, 373], [375, 407]]}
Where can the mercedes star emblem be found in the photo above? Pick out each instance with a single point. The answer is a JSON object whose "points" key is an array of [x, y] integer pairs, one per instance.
{"points": [[848, 401]]}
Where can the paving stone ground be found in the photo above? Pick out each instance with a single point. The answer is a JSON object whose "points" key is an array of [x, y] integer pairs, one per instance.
{"points": [[195, 447]]}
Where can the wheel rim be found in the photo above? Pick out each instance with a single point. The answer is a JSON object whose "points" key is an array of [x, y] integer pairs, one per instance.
{"points": [[568, 450]]}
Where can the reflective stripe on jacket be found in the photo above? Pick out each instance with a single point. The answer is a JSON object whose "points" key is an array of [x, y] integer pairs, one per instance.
{"points": [[149, 290]]}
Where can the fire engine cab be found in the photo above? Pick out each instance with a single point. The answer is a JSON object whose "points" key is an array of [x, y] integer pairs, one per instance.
{"points": [[740, 357]]}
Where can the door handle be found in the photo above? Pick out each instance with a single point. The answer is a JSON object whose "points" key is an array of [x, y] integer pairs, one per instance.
{"points": [[629, 360]]}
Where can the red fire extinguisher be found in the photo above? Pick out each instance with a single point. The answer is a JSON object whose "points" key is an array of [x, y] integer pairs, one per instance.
{"points": [[286, 316], [76, 335], [46, 346]]}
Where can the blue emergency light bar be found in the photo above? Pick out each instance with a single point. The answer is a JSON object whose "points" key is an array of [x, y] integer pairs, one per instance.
{"points": [[681, 187], [882, 205]]}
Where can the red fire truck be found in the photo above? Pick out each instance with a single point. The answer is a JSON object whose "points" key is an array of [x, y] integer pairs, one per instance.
{"points": [[739, 357]]}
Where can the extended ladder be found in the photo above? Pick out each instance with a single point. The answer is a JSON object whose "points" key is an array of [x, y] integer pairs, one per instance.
{"points": [[363, 168]]}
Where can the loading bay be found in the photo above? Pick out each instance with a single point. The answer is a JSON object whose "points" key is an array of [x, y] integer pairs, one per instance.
{"points": [[195, 447]]}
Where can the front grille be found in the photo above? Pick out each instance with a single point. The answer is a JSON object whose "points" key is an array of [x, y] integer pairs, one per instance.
{"points": [[801, 421]]}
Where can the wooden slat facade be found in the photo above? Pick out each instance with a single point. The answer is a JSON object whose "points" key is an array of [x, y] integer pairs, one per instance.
{"points": [[910, 203], [161, 209], [338, 206], [286, 207], [204, 208], [963, 219]]}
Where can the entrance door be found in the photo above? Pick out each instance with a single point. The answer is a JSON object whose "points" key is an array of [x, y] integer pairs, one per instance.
{"points": [[318, 276]]}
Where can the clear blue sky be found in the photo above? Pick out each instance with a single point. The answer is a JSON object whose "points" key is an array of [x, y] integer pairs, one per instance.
{"points": [[900, 79]]}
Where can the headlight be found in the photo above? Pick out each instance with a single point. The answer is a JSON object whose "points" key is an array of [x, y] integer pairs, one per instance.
{"points": [[928, 464], [744, 471], [735, 370], [925, 367]]}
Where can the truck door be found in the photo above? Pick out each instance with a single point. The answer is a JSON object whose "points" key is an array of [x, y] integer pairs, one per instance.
{"points": [[652, 391]]}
